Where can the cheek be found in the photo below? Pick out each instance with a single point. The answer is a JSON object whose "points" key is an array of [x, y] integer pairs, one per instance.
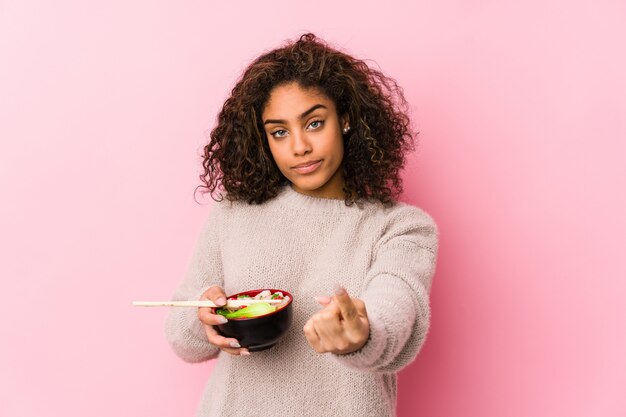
{"points": [[337, 150], [275, 152], [278, 155]]}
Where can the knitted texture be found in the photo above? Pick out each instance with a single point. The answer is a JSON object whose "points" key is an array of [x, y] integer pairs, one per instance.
{"points": [[385, 256]]}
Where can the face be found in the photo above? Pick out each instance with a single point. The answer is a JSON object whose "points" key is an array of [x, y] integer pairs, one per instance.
{"points": [[305, 137]]}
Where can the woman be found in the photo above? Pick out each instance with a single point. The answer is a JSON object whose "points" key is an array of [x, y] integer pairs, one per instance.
{"points": [[304, 164]]}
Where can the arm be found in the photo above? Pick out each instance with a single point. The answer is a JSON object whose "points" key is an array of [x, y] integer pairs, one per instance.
{"points": [[183, 330], [397, 294]]}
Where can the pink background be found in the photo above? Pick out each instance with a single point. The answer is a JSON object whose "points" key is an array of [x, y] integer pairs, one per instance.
{"points": [[521, 105]]}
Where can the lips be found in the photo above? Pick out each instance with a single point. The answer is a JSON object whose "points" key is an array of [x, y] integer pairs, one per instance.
{"points": [[306, 164], [307, 167]]}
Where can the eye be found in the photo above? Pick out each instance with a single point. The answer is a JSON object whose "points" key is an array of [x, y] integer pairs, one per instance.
{"points": [[316, 124], [279, 133]]}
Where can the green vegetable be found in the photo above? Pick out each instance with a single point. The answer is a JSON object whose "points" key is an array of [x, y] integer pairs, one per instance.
{"points": [[257, 309]]}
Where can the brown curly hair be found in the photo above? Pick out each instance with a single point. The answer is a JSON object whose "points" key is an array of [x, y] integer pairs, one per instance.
{"points": [[238, 160]]}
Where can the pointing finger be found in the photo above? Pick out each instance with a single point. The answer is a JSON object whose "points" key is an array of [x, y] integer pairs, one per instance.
{"points": [[323, 300], [346, 306]]}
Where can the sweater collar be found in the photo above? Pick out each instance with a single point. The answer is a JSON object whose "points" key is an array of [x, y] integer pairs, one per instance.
{"points": [[291, 197]]}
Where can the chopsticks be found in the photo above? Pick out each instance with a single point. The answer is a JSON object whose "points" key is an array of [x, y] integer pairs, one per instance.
{"points": [[202, 303]]}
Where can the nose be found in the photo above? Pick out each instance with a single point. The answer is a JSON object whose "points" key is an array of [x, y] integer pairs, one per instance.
{"points": [[300, 144]]}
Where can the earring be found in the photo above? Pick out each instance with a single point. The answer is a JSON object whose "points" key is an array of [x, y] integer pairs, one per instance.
{"points": [[346, 130]]}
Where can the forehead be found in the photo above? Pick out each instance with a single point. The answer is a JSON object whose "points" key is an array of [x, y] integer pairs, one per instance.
{"points": [[290, 100]]}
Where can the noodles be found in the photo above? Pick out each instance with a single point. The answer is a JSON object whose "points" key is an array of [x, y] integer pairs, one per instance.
{"points": [[255, 309]]}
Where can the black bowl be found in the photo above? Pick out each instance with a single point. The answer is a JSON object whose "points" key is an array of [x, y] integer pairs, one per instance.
{"points": [[261, 332]]}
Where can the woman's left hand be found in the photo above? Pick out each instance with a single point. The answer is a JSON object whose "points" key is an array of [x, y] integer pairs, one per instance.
{"points": [[341, 327]]}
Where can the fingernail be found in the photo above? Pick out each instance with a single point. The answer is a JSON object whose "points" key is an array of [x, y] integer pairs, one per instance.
{"points": [[235, 345], [322, 300], [222, 320], [245, 353], [220, 301], [339, 290]]}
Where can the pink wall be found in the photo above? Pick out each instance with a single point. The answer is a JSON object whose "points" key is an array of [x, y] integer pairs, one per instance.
{"points": [[521, 106]]}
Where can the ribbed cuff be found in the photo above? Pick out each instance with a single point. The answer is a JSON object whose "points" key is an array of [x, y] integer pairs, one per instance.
{"points": [[190, 317]]}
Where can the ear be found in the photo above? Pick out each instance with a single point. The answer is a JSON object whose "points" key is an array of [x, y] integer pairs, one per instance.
{"points": [[344, 120]]}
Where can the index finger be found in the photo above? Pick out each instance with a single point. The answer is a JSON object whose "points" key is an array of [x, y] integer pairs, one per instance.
{"points": [[207, 314], [207, 317], [346, 306]]}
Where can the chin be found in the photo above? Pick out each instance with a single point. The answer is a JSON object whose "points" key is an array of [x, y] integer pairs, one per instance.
{"points": [[324, 183]]}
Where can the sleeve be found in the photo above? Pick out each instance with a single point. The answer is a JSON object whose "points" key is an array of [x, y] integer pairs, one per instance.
{"points": [[183, 330], [397, 294]]}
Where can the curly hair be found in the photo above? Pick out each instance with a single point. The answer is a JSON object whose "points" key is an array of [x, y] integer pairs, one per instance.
{"points": [[238, 160]]}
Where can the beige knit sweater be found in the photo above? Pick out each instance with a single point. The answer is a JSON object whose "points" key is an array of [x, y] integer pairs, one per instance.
{"points": [[307, 245]]}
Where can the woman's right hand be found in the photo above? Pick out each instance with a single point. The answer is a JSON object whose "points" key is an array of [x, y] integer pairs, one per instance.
{"points": [[209, 319]]}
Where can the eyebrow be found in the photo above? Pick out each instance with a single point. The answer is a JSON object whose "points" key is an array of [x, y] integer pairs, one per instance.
{"points": [[302, 116]]}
